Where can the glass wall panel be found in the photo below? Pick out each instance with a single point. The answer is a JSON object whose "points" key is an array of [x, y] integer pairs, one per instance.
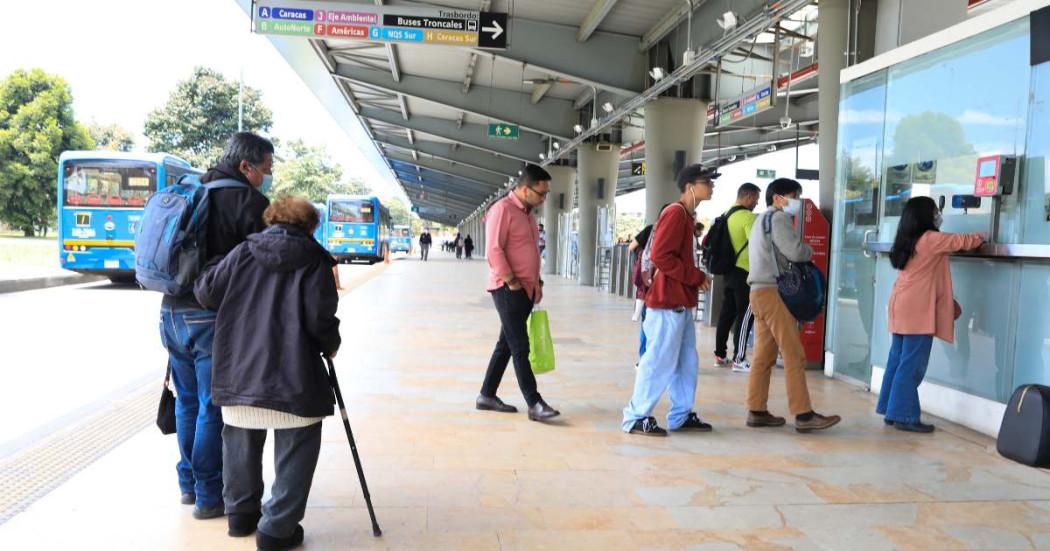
{"points": [[1032, 363], [1035, 187], [861, 121], [945, 109]]}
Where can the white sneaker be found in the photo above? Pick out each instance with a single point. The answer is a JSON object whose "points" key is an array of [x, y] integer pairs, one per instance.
{"points": [[742, 367]]}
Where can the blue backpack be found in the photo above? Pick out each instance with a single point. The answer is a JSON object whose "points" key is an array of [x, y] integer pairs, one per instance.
{"points": [[170, 247], [802, 286]]}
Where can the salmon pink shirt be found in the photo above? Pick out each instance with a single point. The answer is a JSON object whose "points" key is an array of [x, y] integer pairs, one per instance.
{"points": [[921, 302], [511, 246]]}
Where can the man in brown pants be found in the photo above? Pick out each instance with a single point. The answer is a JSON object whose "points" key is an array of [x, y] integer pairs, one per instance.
{"points": [[775, 326]]}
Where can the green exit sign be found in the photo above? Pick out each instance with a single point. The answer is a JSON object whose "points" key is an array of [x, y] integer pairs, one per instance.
{"points": [[766, 173], [503, 131]]}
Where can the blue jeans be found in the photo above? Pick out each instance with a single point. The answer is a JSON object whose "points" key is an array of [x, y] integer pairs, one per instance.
{"points": [[905, 368], [669, 363], [187, 334]]}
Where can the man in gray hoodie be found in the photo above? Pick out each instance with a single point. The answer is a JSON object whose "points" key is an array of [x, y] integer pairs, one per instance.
{"points": [[775, 327]]}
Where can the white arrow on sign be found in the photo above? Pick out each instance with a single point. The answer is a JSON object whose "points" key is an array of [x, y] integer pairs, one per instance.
{"points": [[496, 30]]}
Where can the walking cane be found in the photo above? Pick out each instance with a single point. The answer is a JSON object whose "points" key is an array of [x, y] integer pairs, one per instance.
{"points": [[353, 446]]}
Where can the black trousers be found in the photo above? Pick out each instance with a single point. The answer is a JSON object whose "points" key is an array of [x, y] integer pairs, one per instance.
{"points": [[735, 299], [514, 308]]}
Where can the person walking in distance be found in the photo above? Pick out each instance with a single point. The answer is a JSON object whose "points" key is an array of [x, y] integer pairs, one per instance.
{"points": [[459, 245], [775, 327], [424, 245], [670, 361], [515, 285], [542, 241], [468, 246]]}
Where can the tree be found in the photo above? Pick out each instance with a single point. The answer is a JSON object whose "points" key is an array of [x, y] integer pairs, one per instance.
{"points": [[399, 212], [111, 137], [305, 170], [201, 114], [628, 226], [36, 126]]}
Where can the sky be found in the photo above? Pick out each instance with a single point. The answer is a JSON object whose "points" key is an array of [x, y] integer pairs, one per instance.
{"points": [[122, 58]]}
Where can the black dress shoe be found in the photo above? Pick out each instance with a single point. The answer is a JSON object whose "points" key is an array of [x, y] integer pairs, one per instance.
{"points": [[914, 427], [540, 411], [266, 542], [188, 498], [205, 513], [486, 403], [242, 524]]}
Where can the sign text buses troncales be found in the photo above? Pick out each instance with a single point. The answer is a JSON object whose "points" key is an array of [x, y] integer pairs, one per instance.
{"points": [[341, 20]]}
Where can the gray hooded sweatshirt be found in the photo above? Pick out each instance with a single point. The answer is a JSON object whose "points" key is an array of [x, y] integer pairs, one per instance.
{"points": [[760, 254]]}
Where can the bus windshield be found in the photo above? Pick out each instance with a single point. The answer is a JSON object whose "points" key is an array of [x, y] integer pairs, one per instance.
{"points": [[108, 183], [352, 210]]}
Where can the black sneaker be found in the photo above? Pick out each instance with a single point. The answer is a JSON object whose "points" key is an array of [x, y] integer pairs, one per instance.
{"points": [[914, 427], [693, 423], [188, 498], [648, 427]]}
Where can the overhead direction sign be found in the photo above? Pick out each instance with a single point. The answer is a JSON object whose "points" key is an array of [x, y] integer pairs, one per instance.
{"points": [[503, 130], [342, 21]]}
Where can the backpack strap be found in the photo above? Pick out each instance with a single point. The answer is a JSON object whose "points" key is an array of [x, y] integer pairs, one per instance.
{"points": [[224, 183], [733, 210]]}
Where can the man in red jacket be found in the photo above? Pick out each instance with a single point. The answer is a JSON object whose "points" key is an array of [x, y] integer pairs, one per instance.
{"points": [[670, 361]]}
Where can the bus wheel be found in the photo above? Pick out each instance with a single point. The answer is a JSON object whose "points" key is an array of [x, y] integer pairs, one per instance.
{"points": [[122, 280]]}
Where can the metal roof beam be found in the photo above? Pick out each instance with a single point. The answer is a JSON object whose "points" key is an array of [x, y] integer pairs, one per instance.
{"points": [[436, 190], [609, 61], [554, 117], [526, 148], [599, 10], [670, 22], [446, 167], [466, 156], [414, 172], [451, 183]]}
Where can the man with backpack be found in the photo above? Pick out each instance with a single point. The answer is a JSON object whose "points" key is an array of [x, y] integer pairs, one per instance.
{"points": [[774, 244], [669, 362], [233, 203], [726, 251]]}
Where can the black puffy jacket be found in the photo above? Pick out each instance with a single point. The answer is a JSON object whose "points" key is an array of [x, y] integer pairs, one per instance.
{"points": [[276, 298]]}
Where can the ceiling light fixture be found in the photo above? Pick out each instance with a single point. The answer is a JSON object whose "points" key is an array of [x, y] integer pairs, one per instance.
{"points": [[543, 156], [607, 107], [556, 145], [578, 128], [727, 21], [657, 73]]}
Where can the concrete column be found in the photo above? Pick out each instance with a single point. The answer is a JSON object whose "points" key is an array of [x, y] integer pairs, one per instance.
{"points": [[558, 202], [831, 51], [671, 125], [594, 166]]}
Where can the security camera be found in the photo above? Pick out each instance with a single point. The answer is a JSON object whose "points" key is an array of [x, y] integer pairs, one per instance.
{"points": [[785, 122]]}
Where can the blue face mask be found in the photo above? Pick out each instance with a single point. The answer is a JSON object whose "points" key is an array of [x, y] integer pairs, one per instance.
{"points": [[266, 184]]}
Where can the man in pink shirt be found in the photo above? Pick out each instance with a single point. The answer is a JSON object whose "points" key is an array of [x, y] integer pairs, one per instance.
{"points": [[515, 285]]}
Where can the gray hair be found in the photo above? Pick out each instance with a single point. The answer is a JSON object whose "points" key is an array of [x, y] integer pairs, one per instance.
{"points": [[246, 146]]}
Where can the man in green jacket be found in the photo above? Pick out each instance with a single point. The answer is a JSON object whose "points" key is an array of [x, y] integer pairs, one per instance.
{"points": [[735, 293]]}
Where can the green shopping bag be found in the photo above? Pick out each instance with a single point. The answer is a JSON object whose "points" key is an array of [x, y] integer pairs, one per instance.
{"points": [[541, 347]]}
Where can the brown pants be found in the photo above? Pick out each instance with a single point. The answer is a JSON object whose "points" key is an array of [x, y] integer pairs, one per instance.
{"points": [[776, 328]]}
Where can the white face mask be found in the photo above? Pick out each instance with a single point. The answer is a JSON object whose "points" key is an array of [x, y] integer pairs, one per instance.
{"points": [[793, 206]]}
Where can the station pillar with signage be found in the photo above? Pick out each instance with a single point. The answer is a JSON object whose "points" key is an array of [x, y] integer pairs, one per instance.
{"points": [[816, 232]]}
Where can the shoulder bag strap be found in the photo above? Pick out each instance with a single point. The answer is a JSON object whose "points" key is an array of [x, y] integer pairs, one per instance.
{"points": [[767, 228]]}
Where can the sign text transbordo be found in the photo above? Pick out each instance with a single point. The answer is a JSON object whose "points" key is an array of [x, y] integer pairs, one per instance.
{"points": [[343, 21]]}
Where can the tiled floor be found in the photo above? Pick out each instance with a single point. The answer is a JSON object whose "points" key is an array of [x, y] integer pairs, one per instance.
{"points": [[443, 476]]}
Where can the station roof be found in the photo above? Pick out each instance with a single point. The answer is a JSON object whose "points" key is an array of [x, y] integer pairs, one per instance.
{"points": [[426, 108]]}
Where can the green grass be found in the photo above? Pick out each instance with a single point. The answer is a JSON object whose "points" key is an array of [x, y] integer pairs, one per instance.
{"points": [[28, 253]]}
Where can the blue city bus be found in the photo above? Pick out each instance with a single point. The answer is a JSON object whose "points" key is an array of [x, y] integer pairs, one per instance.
{"points": [[401, 239], [101, 196], [358, 228], [322, 224]]}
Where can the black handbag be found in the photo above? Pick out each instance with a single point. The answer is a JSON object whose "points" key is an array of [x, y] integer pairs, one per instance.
{"points": [[802, 286], [166, 408], [1024, 435]]}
